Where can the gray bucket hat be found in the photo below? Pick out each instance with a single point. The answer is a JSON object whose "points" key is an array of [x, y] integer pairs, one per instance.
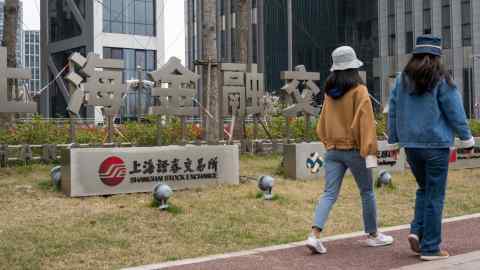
{"points": [[345, 58]]}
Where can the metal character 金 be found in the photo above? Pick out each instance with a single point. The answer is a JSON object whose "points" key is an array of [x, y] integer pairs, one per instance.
{"points": [[174, 90]]}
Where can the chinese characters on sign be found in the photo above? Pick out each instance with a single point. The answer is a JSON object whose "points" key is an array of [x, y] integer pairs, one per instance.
{"points": [[175, 169], [8, 104]]}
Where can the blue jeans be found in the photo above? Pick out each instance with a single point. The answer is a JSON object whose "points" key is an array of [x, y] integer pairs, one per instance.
{"points": [[430, 168], [336, 163]]}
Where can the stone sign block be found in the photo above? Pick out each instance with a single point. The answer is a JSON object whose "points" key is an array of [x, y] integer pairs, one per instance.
{"points": [[295, 160], [464, 162], [296, 155], [106, 171], [388, 159]]}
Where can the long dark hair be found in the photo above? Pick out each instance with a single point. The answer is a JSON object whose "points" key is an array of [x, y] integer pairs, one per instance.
{"points": [[424, 71], [343, 81]]}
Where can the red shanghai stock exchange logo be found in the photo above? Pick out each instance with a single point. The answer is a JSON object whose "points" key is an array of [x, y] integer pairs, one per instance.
{"points": [[112, 171]]}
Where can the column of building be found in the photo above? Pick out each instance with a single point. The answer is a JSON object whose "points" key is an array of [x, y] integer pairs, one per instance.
{"points": [[400, 34], [476, 48], [436, 17], [457, 52], [382, 62]]}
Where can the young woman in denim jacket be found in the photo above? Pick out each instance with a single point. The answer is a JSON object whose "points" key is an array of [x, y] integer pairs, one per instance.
{"points": [[425, 111], [347, 129]]}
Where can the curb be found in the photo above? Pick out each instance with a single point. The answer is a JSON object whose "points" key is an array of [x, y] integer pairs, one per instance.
{"points": [[281, 247]]}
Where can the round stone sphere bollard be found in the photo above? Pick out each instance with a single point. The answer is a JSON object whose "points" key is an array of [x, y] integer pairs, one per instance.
{"points": [[161, 194], [265, 184]]}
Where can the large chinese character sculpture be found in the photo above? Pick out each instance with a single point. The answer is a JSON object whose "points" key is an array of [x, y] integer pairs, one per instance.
{"points": [[298, 91], [243, 93], [98, 83], [256, 100], [174, 92], [7, 103], [233, 89]]}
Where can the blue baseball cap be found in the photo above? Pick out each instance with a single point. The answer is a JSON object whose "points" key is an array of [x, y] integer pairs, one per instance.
{"points": [[428, 44]]}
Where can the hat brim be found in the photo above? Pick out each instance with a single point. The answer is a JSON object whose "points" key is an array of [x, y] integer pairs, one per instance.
{"points": [[348, 65], [427, 50]]}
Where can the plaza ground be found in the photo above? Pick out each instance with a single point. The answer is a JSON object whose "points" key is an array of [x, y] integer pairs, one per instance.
{"points": [[42, 229]]}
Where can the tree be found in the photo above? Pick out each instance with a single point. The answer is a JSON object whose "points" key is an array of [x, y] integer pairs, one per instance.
{"points": [[210, 69], [10, 41], [244, 21], [10, 31], [244, 24]]}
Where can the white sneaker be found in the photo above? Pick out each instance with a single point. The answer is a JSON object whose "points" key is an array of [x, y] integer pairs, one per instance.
{"points": [[315, 245], [414, 242], [380, 240]]}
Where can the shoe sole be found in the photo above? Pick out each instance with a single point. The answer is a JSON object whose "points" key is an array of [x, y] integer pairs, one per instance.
{"points": [[380, 245], [314, 250], [433, 258], [414, 245]]}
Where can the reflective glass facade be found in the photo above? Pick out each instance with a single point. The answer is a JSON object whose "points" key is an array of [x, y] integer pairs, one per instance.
{"points": [[32, 57], [62, 23], [129, 17], [318, 28], [135, 103], [466, 13], [146, 59]]}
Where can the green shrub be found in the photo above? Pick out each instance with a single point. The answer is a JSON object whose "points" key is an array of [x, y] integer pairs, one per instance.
{"points": [[475, 127]]}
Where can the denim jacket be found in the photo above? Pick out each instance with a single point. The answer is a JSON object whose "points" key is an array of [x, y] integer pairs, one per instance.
{"points": [[426, 121]]}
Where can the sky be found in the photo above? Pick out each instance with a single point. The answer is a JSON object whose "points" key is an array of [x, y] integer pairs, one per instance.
{"points": [[174, 24]]}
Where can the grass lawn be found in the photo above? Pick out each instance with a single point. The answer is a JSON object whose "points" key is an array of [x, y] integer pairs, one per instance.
{"points": [[42, 229]]}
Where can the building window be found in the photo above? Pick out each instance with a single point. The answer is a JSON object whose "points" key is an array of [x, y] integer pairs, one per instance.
{"points": [[427, 16], [391, 28], [129, 17], [446, 33], [466, 23], [133, 58], [409, 26], [62, 22]]}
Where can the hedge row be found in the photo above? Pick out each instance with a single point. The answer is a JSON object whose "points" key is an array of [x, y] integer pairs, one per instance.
{"points": [[42, 132]]}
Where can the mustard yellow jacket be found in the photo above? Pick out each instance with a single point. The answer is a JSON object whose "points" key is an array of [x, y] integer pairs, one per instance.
{"points": [[348, 123]]}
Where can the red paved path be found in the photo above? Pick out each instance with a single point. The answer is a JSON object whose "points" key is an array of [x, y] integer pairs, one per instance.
{"points": [[459, 237]]}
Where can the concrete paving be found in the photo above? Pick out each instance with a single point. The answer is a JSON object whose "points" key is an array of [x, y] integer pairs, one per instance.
{"points": [[468, 261], [460, 236]]}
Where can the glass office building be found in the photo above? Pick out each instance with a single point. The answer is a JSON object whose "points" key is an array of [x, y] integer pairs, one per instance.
{"points": [[318, 28]]}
